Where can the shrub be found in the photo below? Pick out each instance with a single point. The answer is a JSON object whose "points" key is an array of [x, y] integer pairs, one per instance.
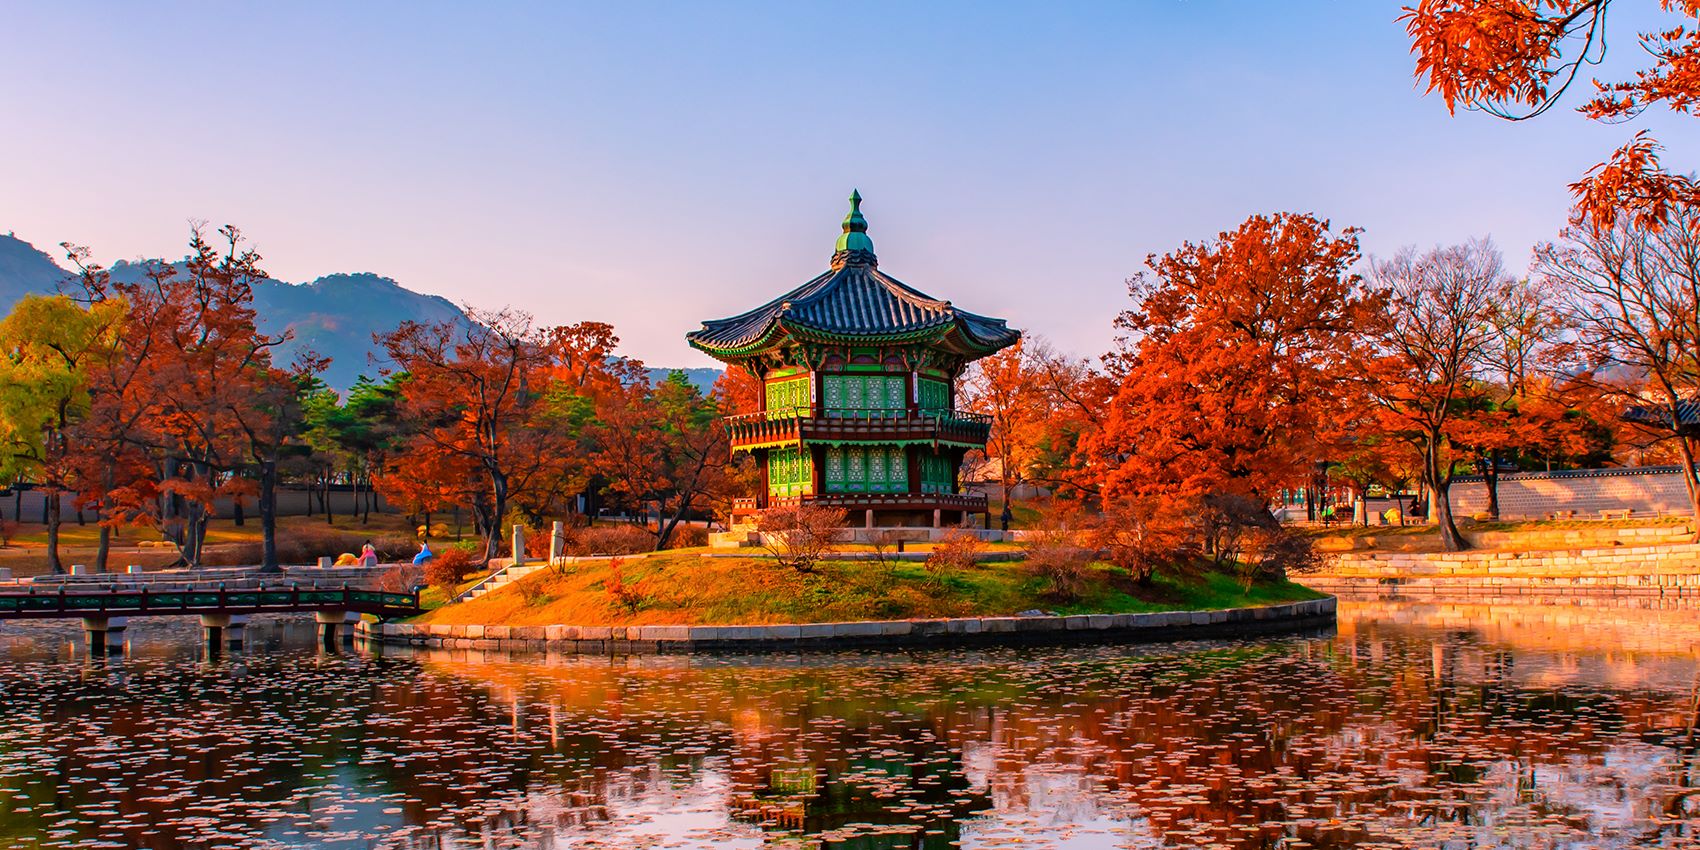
{"points": [[617, 539], [799, 537], [1142, 537], [959, 550], [449, 568], [687, 536], [626, 596], [882, 542], [401, 578], [1223, 519], [1055, 554], [531, 590], [1273, 554]]}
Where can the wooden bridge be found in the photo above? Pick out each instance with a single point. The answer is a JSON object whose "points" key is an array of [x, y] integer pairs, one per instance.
{"points": [[106, 602]]}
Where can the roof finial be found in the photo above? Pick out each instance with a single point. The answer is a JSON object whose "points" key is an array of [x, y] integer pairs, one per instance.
{"points": [[855, 236]]}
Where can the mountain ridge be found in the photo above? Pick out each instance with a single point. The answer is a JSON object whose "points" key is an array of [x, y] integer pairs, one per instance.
{"points": [[333, 315]]}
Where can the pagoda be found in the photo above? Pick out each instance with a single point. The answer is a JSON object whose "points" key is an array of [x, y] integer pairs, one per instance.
{"points": [[858, 408]]}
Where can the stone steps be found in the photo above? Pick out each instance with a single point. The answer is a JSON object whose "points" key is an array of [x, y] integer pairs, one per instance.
{"points": [[507, 575]]}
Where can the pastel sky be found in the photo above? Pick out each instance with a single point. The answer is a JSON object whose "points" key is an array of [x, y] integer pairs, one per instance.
{"points": [[656, 164]]}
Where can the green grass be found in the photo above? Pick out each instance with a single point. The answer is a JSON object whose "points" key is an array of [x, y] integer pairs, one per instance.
{"points": [[683, 589]]}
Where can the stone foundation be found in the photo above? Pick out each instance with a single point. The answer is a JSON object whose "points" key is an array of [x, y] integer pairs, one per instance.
{"points": [[966, 631]]}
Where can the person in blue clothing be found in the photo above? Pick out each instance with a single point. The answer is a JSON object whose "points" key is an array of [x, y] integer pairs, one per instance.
{"points": [[425, 553]]}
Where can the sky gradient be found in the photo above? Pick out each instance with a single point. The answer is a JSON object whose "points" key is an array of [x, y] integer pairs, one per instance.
{"points": [[654, 165]]}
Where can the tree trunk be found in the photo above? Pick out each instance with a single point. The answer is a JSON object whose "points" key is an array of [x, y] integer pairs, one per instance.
{"points": [[330, 516], [1490, 477], [237, 513], [50, 508], [1690, 480], [103, 553], [1440, 500], [268, 517], [499, 510]]}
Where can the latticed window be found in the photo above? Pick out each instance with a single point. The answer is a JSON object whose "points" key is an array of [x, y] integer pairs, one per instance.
{"points": [[785, 398], [835, 480]]}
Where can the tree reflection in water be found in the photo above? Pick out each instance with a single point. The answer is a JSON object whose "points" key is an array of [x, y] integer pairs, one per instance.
{"points": [[1414, 726]]}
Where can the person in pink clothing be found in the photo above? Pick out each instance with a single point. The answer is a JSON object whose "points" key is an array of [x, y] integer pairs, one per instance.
{"points": [[368, 555]]}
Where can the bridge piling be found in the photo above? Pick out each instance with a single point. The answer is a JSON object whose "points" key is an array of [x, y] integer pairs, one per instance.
{"points": [[333, 625], [104, 633], [228, 629]]}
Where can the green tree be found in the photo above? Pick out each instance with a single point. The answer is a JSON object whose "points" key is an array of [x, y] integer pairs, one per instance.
{"points": [[47, 345]]}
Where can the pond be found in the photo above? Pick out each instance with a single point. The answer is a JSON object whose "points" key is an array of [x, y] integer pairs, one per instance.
{"points": [[1563, 724]]}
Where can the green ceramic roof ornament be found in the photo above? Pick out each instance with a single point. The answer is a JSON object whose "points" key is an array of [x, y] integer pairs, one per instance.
{"points": [[855, 236]]}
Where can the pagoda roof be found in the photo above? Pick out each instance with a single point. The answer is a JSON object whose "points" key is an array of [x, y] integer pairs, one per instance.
{"points": [[851, 302]]}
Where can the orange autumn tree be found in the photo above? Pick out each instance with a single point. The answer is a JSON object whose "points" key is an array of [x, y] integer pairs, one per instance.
{"points": [[484, 395], [1516, 58], [1011, 388], [1432, 353], [1234, 359], [189, 388], [664, 447]]}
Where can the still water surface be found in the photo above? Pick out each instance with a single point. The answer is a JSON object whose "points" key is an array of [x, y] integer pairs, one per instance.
{"points": [[1558, 725]]}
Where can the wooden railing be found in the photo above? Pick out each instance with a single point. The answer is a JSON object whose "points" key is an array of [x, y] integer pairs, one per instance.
{"points": [[74, 601], [793, 424]]}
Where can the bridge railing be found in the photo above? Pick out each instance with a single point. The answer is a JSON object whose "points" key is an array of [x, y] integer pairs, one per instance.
{"points": [[141, 601]]}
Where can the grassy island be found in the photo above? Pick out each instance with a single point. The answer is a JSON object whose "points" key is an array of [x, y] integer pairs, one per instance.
{"points": [[685, 588]]}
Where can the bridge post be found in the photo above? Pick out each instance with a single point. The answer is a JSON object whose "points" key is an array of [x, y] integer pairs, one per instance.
{"points": [[557, 541], [79, 569], [104, 632], [519, 545], [332, 625], [228, 629], [134, 569]]}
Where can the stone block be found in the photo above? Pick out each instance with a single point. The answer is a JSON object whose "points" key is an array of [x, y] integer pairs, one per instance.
{"points": [[782, 632], [927, 628], [498, 632], [998, 624], [474, 632], [560, 633], [853, 630], [595, 633], [1077, 622], [893, 628], [742, 633], [1101, 621], [665, 633], [817, 630], [528, 633]]}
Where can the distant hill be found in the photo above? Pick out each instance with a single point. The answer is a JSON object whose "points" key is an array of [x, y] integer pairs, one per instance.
{"points": [[25, 268], [702, 378], [333, 316]]}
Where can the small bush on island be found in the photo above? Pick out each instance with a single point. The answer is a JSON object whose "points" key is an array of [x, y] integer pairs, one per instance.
{"points": [[1143, 536], [1057, 551], [1273, 554], [616, 539], [798, 537], [960, 550], [449, 568]]}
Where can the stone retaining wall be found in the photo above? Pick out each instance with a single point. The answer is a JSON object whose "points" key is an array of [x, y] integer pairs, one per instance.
{"points": [[1616, 562], [968, 631], [1525, 588]]}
